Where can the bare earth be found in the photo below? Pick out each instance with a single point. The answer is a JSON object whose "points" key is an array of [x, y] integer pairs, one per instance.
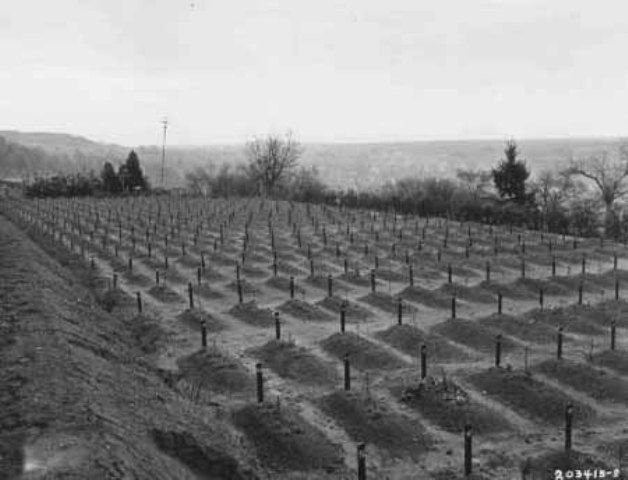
{"points": [[91, 389]]}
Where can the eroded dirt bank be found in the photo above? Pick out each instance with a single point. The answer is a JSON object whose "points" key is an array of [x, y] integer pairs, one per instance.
{"points": [[79, 397]]}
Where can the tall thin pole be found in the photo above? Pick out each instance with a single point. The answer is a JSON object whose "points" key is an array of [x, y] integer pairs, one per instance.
{"points": [[164, 122]]}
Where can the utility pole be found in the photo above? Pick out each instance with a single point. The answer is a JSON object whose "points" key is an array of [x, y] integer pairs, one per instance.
{"points": [[164, 122]]}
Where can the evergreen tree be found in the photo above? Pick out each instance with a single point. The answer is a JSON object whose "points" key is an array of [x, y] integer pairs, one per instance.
{"points": [[511, 174], [131, 173], [110, 180]]}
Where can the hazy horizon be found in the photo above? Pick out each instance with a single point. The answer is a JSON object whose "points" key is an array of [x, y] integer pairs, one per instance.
{"points": [[349, 72], [384, 141]]}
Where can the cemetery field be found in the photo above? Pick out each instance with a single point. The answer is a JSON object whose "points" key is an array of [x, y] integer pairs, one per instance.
{"points": [[165, 337]]}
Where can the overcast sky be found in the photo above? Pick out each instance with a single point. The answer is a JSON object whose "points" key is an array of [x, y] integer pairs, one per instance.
{"points": [[330, 71]]}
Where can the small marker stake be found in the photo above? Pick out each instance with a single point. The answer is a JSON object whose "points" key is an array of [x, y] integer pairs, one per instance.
{"points": [[277, 326], [568, 422], [347, 373], [468, 452], [291, 286], [584, 264], [559, 343], [260, 383], [423, 361], [139, 302], [329, 285], [613, 327], [453, 307], [615, 262], [203, 334], [361, 462], [191, 295], [342, 317]]}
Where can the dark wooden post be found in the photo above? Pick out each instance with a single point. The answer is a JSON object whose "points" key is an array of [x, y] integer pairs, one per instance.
{"points": [[488, 272], [499, 303], [423, 361], [239, 287], [373, 281], [139, 302], [347, 373], [498, 349], [468, 452], [203, 334], [191, 295], [584, 264], [260, 383], [559, 343], [399, 311], [553, 265], [568, 422], [361, 462], [541, 297], [277, 326], [343, 312], [449, 274], [453, 306], [615, 262], [291, 286], [613, 333], [330, 290], [411, 275]]}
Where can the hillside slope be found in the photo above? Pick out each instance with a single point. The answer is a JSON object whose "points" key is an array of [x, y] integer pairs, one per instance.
{"points": [[80, 399]]}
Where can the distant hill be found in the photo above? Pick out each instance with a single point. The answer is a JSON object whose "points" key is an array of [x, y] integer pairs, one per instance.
{"points": [[343, 165], [60, 143], [17, 160]]}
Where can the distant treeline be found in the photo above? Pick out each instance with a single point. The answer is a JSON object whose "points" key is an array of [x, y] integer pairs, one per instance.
{"points": [[555, 202], [128, 178]]}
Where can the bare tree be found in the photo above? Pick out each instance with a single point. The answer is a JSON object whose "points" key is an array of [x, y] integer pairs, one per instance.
{"points": [[271, 158], [475, 181], [607, 174], [552, 188]]}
